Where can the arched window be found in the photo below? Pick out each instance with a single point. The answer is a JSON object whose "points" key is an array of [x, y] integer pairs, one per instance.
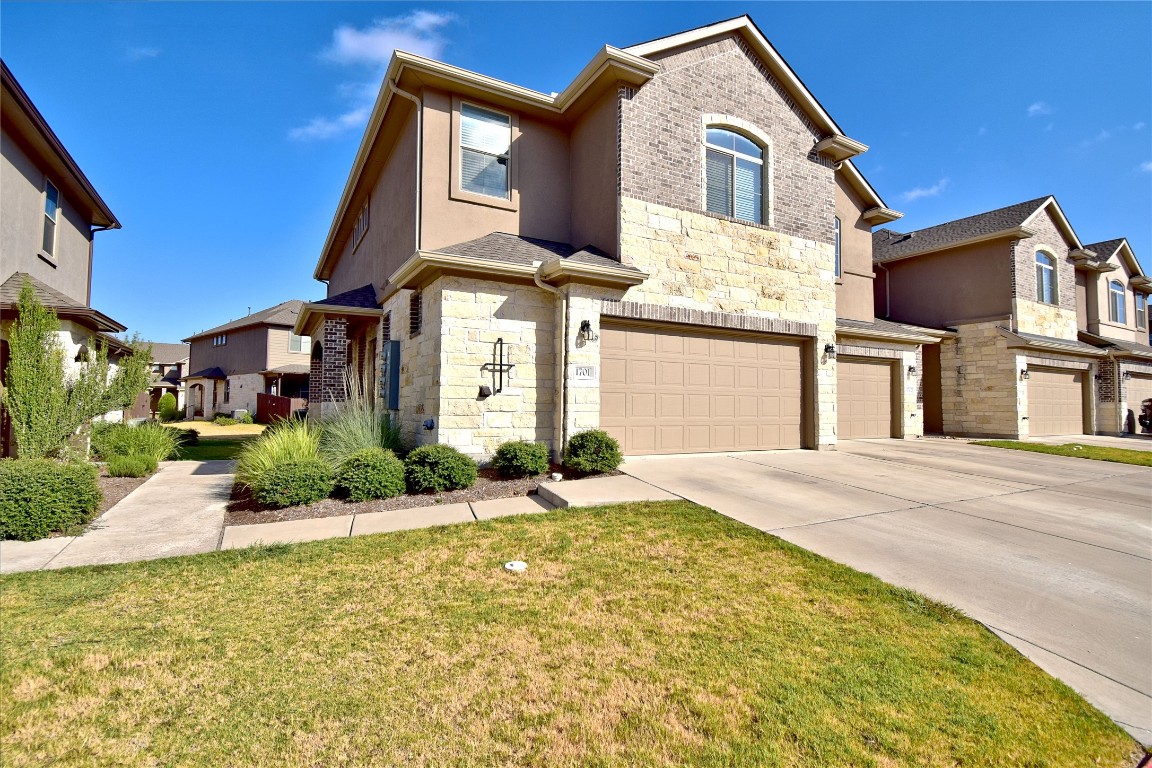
{"points": [[1045, 277], [734, 175], [1117, 307]]}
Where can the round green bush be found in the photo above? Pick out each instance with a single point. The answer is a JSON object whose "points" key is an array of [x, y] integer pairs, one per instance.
{"points": [[167, 407], [593, 451], [224, 421], [138, 465], [372, 473], [294, 482], [439, 468], [39, 497], [519, 458]]}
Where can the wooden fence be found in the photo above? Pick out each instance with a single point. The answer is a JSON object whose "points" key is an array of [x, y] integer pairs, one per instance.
{"points": [[270, 408]]}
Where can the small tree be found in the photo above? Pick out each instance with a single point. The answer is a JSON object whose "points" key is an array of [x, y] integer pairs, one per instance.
{"points": [[46, 405], [166, 407]]}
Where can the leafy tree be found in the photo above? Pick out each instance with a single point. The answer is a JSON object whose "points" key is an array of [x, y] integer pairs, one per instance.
{"points": [[47, 404]]}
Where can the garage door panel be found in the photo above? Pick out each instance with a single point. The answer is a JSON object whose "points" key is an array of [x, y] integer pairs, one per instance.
{"points": [[1055, 402], [706, 392], [863, 398]]}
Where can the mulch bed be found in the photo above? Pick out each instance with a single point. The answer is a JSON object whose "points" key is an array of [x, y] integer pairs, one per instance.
{"points": [[116, 488], [245, 510]]}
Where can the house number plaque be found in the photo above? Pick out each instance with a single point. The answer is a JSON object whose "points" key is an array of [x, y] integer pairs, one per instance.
{"points": [[585, 372]]}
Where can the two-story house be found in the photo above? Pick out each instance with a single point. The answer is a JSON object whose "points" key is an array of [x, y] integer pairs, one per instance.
{"points": [[659, 250], [169, 364], [1016, 290], [50, 215], [233, 363], [1112, 311]]}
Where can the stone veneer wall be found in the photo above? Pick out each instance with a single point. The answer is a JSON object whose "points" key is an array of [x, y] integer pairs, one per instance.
{"points": [[981, 391], [704, 262], [242, 390], [474, 315], [911, 401], [1058, 320], [419, 363]]}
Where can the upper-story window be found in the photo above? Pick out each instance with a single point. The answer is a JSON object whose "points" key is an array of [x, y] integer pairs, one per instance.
{"points": [[1141, 311], [360, 228], [220, 340], [1045, 277], [734, 175], [51, 214], [837, 242], [298, 343], [1117, 307], [485, 147]]}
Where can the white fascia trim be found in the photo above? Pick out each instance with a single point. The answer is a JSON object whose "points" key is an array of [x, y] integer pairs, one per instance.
{"points": [[1018, 342], [575, 269], [867, 191], [840, 148], [861, 333]]}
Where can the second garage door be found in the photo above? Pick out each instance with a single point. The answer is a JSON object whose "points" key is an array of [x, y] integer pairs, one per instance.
{"points": [[863, 398], [1055, 402], [673, 390], [1138, 389]]}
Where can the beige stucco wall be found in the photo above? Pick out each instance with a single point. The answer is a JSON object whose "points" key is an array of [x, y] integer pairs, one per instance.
{"points": [[1097, 302], [854, 296], [594, 175], [948, 286], [22, 227]]}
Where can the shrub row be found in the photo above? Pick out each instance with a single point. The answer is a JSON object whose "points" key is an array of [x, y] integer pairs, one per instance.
{"points": [[39, 497]]}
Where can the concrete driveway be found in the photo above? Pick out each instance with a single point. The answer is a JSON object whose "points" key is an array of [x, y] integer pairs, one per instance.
{"points": [[1053, 554]]}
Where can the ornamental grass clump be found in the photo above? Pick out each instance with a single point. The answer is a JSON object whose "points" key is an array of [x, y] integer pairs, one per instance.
{"points": [[593, 451], [304, 481], [150, 439], [40, 496], [286, 441], [372, 473], [357, 424], [131, 466], [520, 458], [439, 468]]}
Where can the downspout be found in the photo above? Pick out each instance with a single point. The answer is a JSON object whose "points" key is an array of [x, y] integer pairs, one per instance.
{"points": [[562, 383], [393, 88], [887, 291]]}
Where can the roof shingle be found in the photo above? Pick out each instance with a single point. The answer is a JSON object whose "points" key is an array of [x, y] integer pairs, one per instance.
{"points": [[284, 313], [888, 244], [517, 249]]}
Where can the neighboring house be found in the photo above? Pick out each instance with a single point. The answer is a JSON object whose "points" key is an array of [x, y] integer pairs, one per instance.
{"points": [[231, 364], [169, 364], [1004, 283], [1112, 294], [51, 213], [655, 250]]}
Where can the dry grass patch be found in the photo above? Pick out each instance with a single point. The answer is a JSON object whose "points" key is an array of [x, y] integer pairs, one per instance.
{"points": [[209, 429], [641, 635]]}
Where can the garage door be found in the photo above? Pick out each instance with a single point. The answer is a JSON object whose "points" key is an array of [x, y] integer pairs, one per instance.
{"points": [[1138, 389], [1055, 402], [863, 398], [666, 390]]}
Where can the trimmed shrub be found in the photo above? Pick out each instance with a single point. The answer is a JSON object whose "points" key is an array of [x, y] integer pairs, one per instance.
{"points": [[439, 468], [305, 481], [39, 497], [592, 451], [186, 436], [147, 439], [284, 441], [166, 408], [247, 418], [372, 473], [357, 424], [130, 466], [519, 458], [224, 421]]}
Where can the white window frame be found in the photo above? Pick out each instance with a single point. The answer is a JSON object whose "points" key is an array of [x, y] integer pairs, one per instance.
{"points": [[456, 189], [735, 155], [1050, 265], [220, 340], [1140, 301], [1117, 303], [305, 343], [768, 164], [54, 219]]}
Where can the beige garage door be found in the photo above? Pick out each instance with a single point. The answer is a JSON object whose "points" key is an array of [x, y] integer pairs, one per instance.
{"points": [[668, 390], [1055, 402], [863, 398], [1138, 389]]}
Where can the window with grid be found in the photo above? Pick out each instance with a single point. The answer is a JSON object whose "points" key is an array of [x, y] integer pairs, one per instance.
{"points": [[485, 149], [1117, 309], [298, 343], [1141, 311], [1045, 277], [51, 214], [734, 175]]}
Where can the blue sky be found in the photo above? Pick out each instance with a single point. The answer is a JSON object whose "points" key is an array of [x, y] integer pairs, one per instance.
{"points": [[221, 134]]}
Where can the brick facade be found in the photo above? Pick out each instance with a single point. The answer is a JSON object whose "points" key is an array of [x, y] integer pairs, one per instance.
{"points": [[1033, 316], [326, 370]]}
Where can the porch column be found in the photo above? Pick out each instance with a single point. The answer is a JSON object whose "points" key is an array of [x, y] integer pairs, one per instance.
{"points": [[326, 372]]}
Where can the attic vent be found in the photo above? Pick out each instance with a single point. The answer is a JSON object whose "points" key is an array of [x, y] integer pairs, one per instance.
{"points": [[386, 327], [415, 313]]}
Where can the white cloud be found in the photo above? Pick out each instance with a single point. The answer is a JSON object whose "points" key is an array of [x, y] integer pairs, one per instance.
{"points": [[1146, 166], [918, 192], [372, 46], [1101, 137], [142, 52], [1140, 126], [982, 132], [1039, 108]]}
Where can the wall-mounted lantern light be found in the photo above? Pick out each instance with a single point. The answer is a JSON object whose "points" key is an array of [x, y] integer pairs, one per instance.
{"points": [[586, 332], [1126, 375], [485, 391], [911, 370], [830, 351], [1023, 374]]}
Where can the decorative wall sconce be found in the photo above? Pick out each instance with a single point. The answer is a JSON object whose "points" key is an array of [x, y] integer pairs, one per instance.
{"points": [[911, 370], [485, 391], [1023, 374], [830, 351], [1126, 375], [586, 332]]}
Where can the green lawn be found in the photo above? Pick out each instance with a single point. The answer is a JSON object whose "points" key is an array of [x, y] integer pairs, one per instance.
{"points": [[213, 448], [640, 635], [1119, 455]]}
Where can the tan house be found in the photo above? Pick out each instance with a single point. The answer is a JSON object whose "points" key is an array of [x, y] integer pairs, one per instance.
{"points": [[676, 248], [50, 215], [1112, 311], [169, 364], [1004, 284], [233, 364]]}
